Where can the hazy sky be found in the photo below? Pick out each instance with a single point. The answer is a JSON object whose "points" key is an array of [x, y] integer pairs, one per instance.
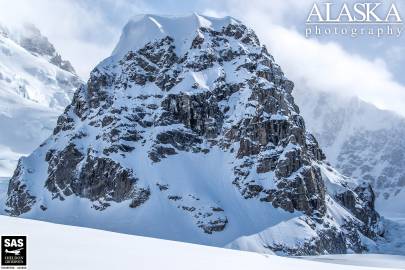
{"points": [[86, 31]]}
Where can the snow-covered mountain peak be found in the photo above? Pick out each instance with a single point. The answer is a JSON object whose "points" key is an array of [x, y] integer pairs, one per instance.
{"points": [[192, 121], [145, 28]]}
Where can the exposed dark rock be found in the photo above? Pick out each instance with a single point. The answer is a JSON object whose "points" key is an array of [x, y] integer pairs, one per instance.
{"points": [[214, 226], [198, 112], [62, 171], [174, 197], [98, 179], [140, 198], [159, 152], [360, 202], [19, 199], [162, 187]]}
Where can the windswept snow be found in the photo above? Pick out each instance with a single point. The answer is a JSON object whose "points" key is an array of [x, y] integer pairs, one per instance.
{"points": [[145, 28], [52, 246], [291, 233]]}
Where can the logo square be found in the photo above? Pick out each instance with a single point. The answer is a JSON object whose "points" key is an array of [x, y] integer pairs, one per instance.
{"points": [[13, 250]]}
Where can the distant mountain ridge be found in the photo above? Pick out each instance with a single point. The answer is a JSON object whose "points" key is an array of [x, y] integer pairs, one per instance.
{"points": [[35, 87], [30, 38], [361, 141]]}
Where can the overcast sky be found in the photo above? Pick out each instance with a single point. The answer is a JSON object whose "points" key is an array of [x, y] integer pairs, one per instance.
{"points": [[86, 31]]}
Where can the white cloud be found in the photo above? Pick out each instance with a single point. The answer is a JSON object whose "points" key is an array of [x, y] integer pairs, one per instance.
{"points": [[328, 67]]}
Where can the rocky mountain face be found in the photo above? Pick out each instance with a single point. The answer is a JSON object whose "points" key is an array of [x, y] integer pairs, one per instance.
{"points": [[34, 89], [361, 141], [190, 132]]}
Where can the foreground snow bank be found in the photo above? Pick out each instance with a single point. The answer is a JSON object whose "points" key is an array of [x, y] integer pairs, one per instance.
{"points": [[374, 260], [53, 246]]}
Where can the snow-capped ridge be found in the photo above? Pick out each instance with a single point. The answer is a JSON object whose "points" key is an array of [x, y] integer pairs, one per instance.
{"points": [[145, 28]]}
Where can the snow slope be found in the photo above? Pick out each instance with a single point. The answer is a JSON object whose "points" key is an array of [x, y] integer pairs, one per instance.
{"points": [[378, 261], [52, 246], [33, 92], [25, 125]]}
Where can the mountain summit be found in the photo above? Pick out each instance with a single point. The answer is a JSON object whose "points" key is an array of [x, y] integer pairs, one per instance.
{"points": [[146, 28], [189, 132]]}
